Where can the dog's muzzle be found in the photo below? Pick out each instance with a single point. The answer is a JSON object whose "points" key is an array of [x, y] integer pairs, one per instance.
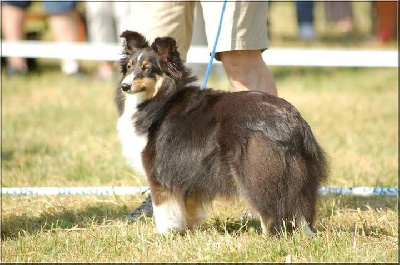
{"points": [[126, 83]]}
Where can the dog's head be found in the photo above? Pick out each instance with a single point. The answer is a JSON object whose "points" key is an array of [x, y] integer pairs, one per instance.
{"points": [[144, 67]]}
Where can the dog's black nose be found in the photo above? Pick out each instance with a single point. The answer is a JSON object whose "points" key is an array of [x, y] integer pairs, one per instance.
{"points": [[125, 87]]}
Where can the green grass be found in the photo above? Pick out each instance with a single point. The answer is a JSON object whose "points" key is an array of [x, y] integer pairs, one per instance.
{"points": [[59, 131]]}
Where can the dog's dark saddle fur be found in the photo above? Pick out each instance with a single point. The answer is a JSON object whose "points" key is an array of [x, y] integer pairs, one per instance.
{"points": [[203, 144]]}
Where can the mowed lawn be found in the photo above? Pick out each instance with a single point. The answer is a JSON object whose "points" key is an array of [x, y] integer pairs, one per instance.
{"points": [[61, 131]]}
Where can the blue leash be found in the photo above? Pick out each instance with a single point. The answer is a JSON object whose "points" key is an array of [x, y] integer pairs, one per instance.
{"points": [[214, 48]]}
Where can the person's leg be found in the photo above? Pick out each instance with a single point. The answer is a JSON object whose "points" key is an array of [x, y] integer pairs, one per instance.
{"points": [[161, 19], [305, 11], [102, 30], [386, 13], [243, 37], [63, 20], [13, 18], [305, 20], [247, 70]]}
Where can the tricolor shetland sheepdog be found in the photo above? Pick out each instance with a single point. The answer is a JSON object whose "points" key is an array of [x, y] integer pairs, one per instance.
{"points": [[195, 145]]}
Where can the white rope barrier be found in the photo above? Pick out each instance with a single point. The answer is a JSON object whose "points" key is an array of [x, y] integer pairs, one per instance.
{"points": [[200, 54], [360, 191], [60, 191], [130, 190]]}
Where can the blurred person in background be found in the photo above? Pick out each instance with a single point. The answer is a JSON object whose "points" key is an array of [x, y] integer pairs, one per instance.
{"points": [[103, 28], [305, 20], [63, 19], [340, 13], [386, 20]]}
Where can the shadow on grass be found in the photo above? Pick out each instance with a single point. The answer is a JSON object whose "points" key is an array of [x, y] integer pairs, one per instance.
{"points": [[67, 218], [7, 155], [99, 213], [234, 226]]}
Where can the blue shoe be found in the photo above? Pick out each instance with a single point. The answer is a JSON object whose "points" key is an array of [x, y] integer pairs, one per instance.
{"points": [[146, 209]]}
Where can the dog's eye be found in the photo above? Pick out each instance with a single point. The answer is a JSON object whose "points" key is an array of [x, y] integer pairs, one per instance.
{"points": [[146, 67]]}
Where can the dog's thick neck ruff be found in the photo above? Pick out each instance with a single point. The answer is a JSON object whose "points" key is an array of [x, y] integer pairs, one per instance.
{"points": [[150, 73]]}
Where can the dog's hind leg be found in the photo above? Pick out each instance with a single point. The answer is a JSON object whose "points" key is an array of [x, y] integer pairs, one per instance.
{"points": [[195, 212], [302, 199], [305, 218], [259, 173]]}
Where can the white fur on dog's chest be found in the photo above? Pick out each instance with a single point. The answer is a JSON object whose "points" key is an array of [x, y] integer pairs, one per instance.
{"points": [[133, 143]]}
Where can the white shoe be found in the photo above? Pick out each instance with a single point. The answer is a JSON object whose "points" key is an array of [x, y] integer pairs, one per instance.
{"points": [[307, 32]]}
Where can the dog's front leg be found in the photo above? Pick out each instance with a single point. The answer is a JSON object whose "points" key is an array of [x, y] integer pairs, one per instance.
{"points": [[169, 213]]}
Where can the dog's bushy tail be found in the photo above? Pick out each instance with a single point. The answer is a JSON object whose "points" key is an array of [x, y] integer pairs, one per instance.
{"points": [[317, 165], [316, 171]]}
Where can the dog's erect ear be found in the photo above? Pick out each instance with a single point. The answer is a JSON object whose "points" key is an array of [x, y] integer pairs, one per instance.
{"points": [[166, 48], [132, 41]]}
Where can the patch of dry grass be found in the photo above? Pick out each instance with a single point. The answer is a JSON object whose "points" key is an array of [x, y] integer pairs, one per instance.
{"points": [[65, 136], [76, 229]]}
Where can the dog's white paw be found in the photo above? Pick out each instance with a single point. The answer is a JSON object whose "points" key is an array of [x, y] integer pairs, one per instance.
{"points": [[169, 216]]}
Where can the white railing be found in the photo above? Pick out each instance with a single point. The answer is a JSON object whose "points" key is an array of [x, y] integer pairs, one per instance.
{"points": [[200, 54]]}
